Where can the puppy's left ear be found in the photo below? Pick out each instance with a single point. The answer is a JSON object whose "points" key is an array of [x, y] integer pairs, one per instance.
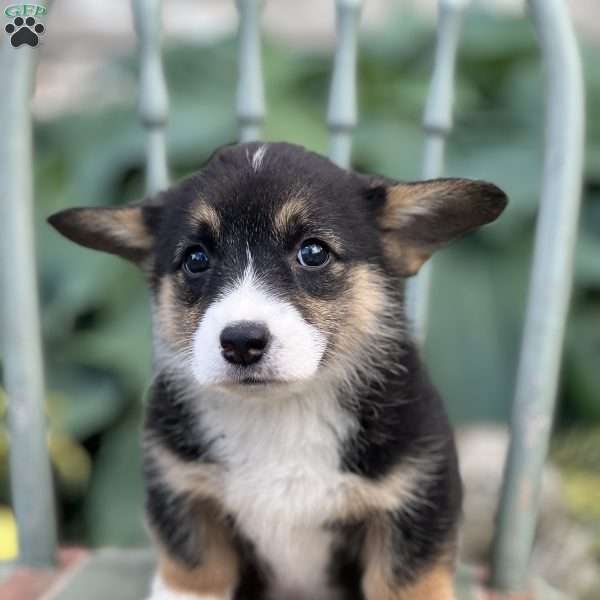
{"points": [[127, 231], [418, 218]]}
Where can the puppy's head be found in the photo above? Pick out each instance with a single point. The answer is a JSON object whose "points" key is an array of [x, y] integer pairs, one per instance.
{"points": [[271, 264]]}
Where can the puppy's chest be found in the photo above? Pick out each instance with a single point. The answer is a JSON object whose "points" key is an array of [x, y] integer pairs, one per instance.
{"points": [[283, 485]]}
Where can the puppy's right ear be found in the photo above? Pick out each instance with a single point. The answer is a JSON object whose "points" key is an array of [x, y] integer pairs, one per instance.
{"points": [[127, 231]]}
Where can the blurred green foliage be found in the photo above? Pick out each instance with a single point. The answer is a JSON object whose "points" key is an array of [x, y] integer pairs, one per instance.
{"points": [[95, 309]]}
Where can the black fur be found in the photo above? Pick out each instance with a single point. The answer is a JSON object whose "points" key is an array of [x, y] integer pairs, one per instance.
{"points": [[174, 519], [170, 422], [346, 569], [407, 420], [254, 575]]}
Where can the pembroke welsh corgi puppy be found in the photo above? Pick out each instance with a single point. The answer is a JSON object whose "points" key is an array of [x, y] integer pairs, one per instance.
{"points": [[294, 447]]}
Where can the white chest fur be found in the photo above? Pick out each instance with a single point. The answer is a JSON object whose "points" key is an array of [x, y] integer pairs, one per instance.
{"points": [[282, 482]]}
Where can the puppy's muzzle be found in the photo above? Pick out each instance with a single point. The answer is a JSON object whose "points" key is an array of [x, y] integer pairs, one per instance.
{"points": [[244, 343]]}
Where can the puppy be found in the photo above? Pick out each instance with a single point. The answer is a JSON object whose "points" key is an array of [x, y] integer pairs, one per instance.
{"points": [[294, 448]]}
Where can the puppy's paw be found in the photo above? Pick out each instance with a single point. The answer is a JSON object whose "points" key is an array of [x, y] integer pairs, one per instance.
{"points": [[160, 591]]}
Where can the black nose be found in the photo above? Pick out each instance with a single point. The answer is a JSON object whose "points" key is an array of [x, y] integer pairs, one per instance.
{"points": [[244, 343]]}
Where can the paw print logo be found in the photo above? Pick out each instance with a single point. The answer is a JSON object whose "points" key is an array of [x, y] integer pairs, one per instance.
{"points": [[24, 31]]}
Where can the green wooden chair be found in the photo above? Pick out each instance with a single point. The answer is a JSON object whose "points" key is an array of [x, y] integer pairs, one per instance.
{"points": [[126, 573]]}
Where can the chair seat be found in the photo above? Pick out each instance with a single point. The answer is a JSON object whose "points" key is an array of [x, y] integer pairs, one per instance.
{"points": [[119, 574]]}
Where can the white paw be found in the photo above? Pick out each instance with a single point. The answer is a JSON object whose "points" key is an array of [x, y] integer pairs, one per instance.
{"points": [[160, 591]]}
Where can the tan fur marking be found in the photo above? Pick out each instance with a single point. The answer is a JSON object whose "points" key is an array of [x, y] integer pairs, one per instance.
{"points": [[368, 297], [407, 201], [205, 214], [218, 572], [438, 584], [126, 224], [357, 311], [322, 313], [404, 202], [414, 259], [202, 480], [397, 489], [420, 218], [435, 584], [165, 305], [403, 257], [293, 209], [395, 253], [353, 312], [174, 325]]}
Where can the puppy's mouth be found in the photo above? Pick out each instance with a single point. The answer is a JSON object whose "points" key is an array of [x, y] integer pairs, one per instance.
{"points": [[256, 381], [250, 378]]}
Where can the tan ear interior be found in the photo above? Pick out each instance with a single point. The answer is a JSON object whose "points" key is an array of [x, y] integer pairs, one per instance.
{"points": [[126, 226], [406, 259], [407, 201], [120, 231], [418, 218]]}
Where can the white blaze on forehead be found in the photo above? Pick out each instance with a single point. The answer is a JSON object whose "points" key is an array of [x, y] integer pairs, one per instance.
{"points": [[295, 347], [258, 156]]}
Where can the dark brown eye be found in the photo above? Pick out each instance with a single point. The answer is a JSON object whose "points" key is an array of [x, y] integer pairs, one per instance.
{"points": [[196, 261], [313, 254]]}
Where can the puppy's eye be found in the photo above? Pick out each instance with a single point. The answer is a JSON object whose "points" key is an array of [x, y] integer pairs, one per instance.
{"points": [[313, 253], [196, 261]]}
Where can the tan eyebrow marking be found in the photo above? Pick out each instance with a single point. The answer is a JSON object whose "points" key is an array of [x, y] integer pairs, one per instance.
{"points": [[293, 209], [296, 210], [205, 214]]}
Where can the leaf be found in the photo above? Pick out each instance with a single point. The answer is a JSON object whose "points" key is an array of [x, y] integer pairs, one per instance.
{"points": [[87, 404], [114, 506], [582, 376]]}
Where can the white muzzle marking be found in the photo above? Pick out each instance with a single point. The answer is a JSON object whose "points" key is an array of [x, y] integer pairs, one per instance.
{"points": [[295, 348]]}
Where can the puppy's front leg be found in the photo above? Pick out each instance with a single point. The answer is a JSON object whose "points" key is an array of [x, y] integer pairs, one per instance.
{"points": [[214, 579], [435, 584], [386, 576], [197, 556]]}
